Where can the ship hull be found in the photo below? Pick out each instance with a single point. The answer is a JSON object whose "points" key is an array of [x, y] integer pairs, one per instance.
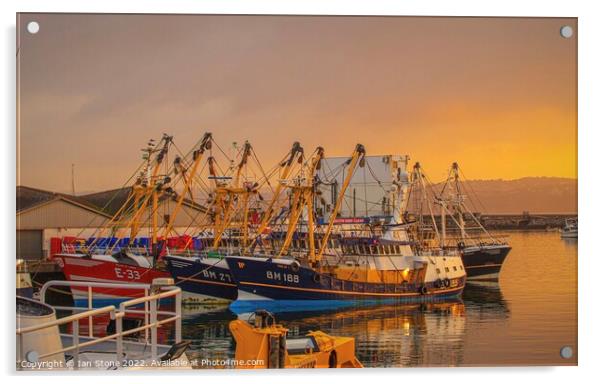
{"points": [[484, 262], [259, 280], [202, 280], [78, 268]]}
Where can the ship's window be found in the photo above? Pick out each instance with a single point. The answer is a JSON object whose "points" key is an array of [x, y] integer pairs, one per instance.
{"points": [[455, 269], [461, 268], [446, 269], [438, 271]]}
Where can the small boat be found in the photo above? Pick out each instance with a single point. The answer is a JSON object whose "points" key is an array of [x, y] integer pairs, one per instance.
{"points": [[569, 230], [266, 344]]}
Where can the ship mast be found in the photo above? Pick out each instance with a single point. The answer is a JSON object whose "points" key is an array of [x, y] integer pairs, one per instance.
{"points": [[420, 178], [232, 192], [150, 190], [458, 199], [302, 198], [295, 155], [197, 156]]}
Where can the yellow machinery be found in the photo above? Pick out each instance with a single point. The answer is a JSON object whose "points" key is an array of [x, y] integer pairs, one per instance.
{"points": [[265, 345]]}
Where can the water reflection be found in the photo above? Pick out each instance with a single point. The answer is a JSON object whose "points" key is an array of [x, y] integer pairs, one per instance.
{"points": [[525, 319]]}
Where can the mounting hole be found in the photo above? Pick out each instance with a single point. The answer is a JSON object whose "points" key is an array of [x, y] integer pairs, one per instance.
{"points": [[566, 31], [32, 356], [566, 352], [33, 27]]}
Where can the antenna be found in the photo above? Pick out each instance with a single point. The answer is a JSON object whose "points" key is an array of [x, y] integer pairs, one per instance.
{"points": [[73, 179]]}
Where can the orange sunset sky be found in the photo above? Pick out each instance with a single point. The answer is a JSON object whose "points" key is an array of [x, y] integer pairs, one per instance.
{"points": [[498, 95]]}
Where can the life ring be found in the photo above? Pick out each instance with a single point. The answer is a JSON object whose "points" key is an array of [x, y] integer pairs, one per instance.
{"points": [[446, 283], [423, 290], [438, 283], [295, 266]]}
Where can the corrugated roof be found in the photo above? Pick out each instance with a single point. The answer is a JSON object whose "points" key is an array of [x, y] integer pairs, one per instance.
{"points": [[109, 201], [28, 198], [112, 200], [105, 202]]}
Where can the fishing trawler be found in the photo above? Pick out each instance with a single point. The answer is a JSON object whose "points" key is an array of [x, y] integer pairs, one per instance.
{"points": [[122, 260], [206, 277], [388, 266], [483, 254], [124, 257]]}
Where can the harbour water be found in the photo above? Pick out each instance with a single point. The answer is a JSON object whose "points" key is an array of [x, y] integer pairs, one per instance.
{"points": [[524, 320]]}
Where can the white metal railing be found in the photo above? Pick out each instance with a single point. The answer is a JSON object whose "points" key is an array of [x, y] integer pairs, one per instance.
{"points": [[151, 321]]}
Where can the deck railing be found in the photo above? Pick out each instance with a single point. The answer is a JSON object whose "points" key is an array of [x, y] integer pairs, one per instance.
{"points": [[151, 321]]}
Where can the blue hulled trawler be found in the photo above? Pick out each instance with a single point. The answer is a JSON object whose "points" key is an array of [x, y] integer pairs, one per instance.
{"points": [[311, 262]]}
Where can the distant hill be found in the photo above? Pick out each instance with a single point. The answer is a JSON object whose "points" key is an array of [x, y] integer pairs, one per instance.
{"points": [[532, 194]]}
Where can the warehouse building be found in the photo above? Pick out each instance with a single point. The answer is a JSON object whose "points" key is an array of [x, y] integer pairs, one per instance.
{"points": [[42, 215]]}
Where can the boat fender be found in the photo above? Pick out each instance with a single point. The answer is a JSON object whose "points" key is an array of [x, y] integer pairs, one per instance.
{"points": [[438, 283], [332, 360], [316, 278], [447, 283], [423, 290], [295, 266]]}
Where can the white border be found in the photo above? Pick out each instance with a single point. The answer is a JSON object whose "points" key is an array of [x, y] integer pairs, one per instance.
{"points": [[590, 124]]}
